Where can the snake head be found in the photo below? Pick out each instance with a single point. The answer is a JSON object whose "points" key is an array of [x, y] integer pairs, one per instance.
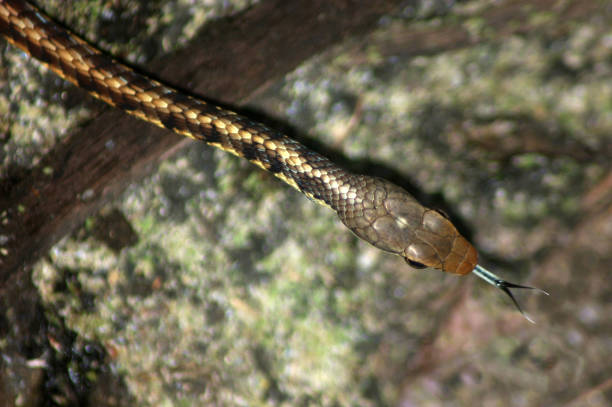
{"points": [[438, 244], [388, 217]]}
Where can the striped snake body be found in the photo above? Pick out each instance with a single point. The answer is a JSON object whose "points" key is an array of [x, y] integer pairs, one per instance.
{"points": [[376, 210]]}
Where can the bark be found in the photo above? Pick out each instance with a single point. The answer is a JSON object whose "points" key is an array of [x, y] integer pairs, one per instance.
{"points": [[494, 23]]}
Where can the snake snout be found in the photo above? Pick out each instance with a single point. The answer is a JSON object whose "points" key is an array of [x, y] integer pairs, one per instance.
{"points": [[454, 254], [462, 259]]}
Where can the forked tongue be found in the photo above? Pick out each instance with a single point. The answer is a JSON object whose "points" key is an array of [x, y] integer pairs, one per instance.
{"points": [[505, 286]]}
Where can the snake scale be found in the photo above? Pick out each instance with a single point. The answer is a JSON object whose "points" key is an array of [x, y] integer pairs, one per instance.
{"points": [[376, 210]]}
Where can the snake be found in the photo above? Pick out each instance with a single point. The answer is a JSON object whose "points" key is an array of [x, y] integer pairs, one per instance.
{"points": [[376, 210]]}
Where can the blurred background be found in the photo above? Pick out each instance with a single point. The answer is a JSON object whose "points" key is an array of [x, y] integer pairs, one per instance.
{"points": [[211, 282]]}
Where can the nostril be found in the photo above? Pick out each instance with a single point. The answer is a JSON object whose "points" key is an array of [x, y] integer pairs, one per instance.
{"points": [[444, 214]]}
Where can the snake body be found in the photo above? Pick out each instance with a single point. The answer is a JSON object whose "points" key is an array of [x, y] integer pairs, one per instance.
{"points": [[376, 210]]}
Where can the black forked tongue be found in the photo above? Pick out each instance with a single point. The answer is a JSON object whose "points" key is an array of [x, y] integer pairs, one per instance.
{"points": [[505, 286]]}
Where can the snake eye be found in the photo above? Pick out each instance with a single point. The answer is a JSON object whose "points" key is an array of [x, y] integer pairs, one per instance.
{"points": [[415, 264], [444, 214]]}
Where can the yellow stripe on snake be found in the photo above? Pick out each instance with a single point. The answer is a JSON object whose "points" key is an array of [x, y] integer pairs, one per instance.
{"points": [[376, 210]]}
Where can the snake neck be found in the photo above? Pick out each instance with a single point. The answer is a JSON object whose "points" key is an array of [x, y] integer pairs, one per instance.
{"points": [[314, 175]]}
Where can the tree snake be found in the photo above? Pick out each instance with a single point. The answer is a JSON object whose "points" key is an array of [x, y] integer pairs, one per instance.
{"points": [[376, 210]]}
